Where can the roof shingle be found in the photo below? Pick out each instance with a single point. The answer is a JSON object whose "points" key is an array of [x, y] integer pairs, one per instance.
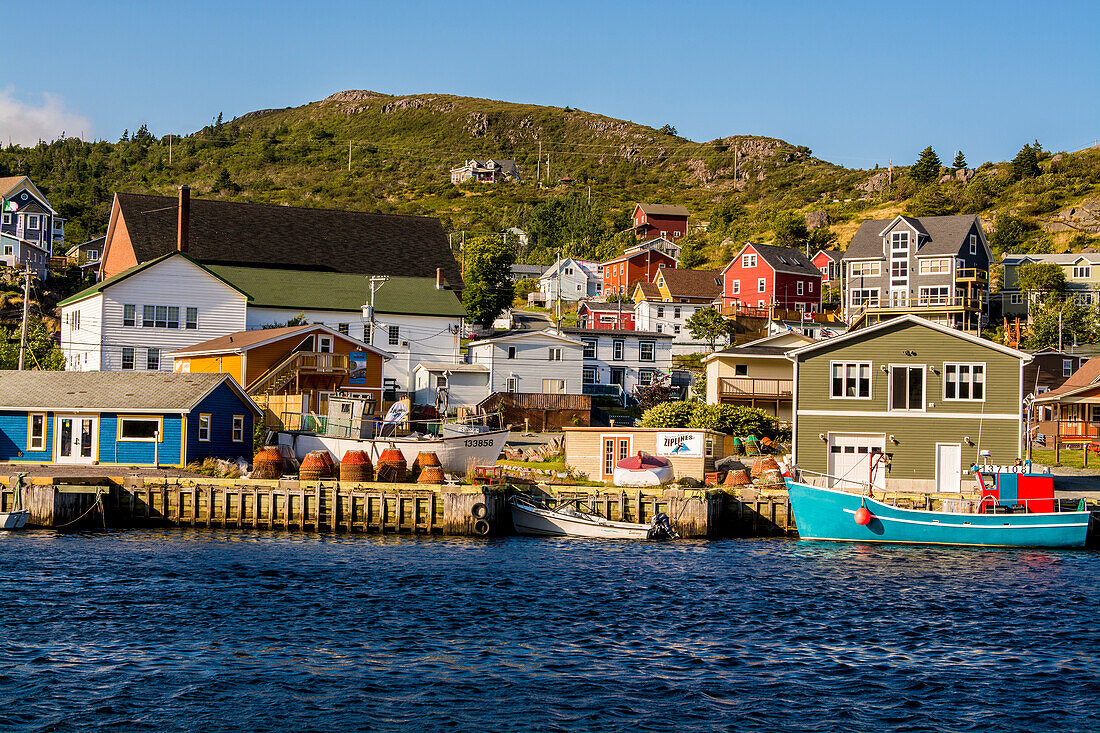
{"points": [[946, 235], [106, 391]]}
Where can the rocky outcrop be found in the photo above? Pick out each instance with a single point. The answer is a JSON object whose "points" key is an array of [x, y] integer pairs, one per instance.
{"points": [[817, 219], [1084, 217], [875, 184]]}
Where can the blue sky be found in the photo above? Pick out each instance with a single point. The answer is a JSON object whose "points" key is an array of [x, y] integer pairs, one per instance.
{"points": [[858, 82]]}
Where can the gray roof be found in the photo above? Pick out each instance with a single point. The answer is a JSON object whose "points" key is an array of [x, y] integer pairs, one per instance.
{"points": [[441, 366], [1058, 259], [787, 259], [755, 350], [535, 270], [664, 209], [109, 391], [945, 235]]}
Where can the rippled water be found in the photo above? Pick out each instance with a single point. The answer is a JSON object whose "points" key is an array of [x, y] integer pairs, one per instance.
{"points": [[236, 631]]}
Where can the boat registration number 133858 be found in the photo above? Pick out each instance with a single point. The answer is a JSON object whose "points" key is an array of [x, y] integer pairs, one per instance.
{"points": [[479, 442]]}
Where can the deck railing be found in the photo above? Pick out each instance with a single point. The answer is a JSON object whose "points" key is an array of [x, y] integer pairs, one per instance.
{"points": [[300, 362], [748, 387]]}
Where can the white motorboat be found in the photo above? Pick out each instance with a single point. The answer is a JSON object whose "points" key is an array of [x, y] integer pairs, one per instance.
{"points": [[14, 520], [642, 470], [454, 452], [565, 520]]}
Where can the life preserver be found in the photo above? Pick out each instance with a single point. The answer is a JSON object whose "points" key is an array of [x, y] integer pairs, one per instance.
{"points": [[482, 528], [479, 510]]}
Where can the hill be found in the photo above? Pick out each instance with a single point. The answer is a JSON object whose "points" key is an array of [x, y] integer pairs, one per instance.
{"points": [[401, 149]]}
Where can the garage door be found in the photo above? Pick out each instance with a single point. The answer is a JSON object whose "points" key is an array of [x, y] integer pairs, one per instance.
{"points": [[850, 459]]}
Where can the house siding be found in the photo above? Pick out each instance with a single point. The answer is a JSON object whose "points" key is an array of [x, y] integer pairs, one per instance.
{"points": [[221, 404], [584, 450], [532, 364], [130, 453], [916, 433]]}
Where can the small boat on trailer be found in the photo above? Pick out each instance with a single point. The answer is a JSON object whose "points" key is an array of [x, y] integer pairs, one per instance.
{"points": [[997, 520], [565, 520]]}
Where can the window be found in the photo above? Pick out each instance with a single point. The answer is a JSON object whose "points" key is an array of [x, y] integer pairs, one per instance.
{"points": [[811, 283], [441, 381], [238, 428], [676, 313], [192, 319], [129, 315], [7, 218], [736, 287], [204, 428], [865, 269], [676, 329], [899, 271], [148, 316], [152, 360], [937, 266], [588, 375], [748, 260], [127, 357], [934, 296], [555, 354], [761, 285], [92, 255], [964, 382], [646, 376], [973, 244], [513, 384], [740, 370], [36, 431], [907, 387], [162, 316], [709, 450], [511, 352], [32, 221], [1016, 298], [852, 380], [589, 348], [8, 249], [660, 311], [1082, 272], [660, 328], [646, 350], [553, 386], [899, 244], [139, 429], [344, 328], [578, 287], [173, 316], [798, 288], [1084, 299], [569, 271], [864, 297], [394, 335], [1067, 367], [617, 347]]}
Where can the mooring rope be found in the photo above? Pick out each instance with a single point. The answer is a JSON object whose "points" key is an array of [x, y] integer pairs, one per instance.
{"points": [[94, 505]]}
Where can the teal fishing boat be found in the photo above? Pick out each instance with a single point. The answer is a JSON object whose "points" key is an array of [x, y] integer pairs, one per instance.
{"points": [[833, 514]]}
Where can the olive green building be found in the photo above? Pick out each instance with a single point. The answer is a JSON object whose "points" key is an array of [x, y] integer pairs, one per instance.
{"points": [[930, 396]]}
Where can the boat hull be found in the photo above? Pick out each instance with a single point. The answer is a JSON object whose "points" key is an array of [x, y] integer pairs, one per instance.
{"points": [[453, 452], [13, 520], [545, 523], [828, 514], [635, 478]]}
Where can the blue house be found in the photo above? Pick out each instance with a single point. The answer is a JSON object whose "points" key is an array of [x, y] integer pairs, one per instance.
{"points": [[123, 418]]}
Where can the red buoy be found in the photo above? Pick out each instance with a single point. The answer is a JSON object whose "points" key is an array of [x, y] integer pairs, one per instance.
{"points": [[863, 517]]}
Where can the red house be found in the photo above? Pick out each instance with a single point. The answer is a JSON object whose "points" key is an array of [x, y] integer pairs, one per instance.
{"points": [[828, 261], [611, 316], [762, 275], [660, 220], [621, 273]]}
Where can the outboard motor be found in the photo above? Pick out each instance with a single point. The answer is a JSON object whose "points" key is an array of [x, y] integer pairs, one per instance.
{"points": [[660, 529]]}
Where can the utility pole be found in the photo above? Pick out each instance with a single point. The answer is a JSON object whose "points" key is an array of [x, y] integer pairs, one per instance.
{"points": [[26, 314], [376, 282], [557, 277], [538, 169], [169, 149], [1059, 332]]}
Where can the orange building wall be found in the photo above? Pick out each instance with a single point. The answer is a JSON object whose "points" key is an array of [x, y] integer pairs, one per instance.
{"points": [[119, 250]]}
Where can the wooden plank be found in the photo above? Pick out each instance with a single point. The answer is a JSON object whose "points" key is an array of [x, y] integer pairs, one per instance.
{"points": [[148, 504], [382, 513], [335, 507]]}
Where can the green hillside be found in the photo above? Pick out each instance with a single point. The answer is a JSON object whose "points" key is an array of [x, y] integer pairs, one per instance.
{"points": [[402, 148]]}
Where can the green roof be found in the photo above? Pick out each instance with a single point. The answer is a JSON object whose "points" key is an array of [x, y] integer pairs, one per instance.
{"points": [[102, 285], [339, 291]]}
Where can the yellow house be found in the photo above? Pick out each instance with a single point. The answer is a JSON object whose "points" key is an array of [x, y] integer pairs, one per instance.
{"points": [[755, 374], [297, 367]]}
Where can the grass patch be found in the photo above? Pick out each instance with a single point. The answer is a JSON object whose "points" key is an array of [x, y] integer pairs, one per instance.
{"points": [[1070, 458], [557, 464]]}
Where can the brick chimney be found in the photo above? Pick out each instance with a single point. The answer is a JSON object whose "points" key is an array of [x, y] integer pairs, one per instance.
{"points": [[183, 220], [439, 278]]}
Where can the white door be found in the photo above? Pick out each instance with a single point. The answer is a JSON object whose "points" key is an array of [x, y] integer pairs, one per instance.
{"points": [[849, 465], [74, 438], [948, 467]]}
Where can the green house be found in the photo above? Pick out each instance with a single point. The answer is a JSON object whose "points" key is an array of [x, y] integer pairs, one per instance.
{"points": [[933, 398]]}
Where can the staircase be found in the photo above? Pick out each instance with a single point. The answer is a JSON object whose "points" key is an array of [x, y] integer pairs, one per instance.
{"points": [[293, 366]]}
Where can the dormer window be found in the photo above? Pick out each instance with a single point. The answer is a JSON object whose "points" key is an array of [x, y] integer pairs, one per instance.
{"points": [[899, 244]]}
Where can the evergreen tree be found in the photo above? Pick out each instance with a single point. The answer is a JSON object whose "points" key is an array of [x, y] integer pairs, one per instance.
{"points": [[960, 161], [1026, 162], [927, 168], [125, 136]]}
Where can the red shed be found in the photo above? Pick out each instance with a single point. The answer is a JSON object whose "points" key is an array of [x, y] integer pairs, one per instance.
{"points": [[660, 220]]}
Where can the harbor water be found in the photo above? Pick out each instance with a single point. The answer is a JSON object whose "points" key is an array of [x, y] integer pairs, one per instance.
{"points": [[222, 630]]}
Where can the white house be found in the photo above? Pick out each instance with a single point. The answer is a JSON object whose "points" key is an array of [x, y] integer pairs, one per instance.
{"points": [[131, 321], [573, 279], [449, 386], [666, 304], [624, 358], [545, 362]]}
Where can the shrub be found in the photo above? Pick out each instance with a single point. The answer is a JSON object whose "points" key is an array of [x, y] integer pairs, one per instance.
{"points": [[668, 415], [734, 420]]}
